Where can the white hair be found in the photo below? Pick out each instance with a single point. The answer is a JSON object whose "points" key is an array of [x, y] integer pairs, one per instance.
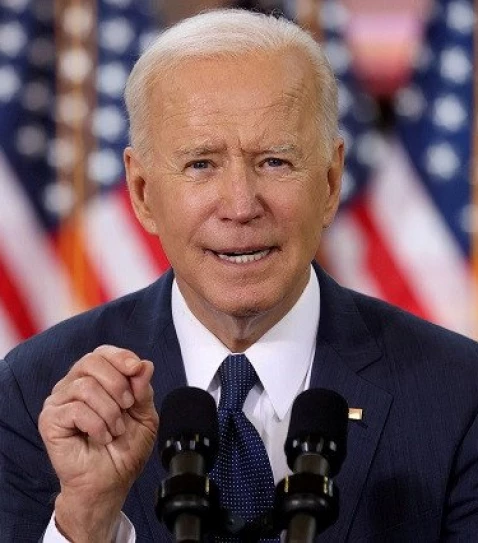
{"points": [[227, 33]]}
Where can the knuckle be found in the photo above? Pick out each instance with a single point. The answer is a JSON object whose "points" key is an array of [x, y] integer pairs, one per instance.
{"points": [[46, 422], [59, 385], [105, 347], [79, 412], [85, 359], [84, 389], [116, 356], [117, 353], [82, 366], [76, 410], [43, 419], [112, 350], [48, 401]]}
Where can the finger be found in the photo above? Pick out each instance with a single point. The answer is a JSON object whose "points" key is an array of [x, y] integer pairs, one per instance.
{"points": [[108, 376], [144, 409], [89, 391], [140, 385], [74, 418], [124, 360]]}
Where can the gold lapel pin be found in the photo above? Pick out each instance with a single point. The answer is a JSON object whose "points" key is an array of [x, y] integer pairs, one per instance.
{"points": [[355, 413]]}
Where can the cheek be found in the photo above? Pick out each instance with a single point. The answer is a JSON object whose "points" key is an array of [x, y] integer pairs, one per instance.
{"points": [[301, 209], [307, 227], [179, 212]]}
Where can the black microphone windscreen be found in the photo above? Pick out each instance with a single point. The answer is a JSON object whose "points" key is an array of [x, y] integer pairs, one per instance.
{"points": [[319, 413], [187, 412]]}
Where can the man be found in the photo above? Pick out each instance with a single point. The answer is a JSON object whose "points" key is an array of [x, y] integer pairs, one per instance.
{"points": [[236, 165]]}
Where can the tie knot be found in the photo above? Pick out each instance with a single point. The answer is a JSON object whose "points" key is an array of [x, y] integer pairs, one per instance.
{"points": [[237, 378]]}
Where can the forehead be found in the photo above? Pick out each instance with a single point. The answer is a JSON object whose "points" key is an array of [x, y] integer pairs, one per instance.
{"points": [[254, 90]]}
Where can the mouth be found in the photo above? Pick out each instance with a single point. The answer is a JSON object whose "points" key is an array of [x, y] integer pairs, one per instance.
{"points": [[243, 257]]}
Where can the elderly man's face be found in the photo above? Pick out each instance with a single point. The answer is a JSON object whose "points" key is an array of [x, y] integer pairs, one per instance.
{"points": [[240, 184]]}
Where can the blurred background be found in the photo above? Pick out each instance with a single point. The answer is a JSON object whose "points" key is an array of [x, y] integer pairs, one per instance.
{"points": [[407, 228]]}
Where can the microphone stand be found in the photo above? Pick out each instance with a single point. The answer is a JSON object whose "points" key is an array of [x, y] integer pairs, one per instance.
{"points": [[302, 529]]}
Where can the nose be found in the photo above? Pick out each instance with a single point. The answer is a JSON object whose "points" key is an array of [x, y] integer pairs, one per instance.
{"points": [[240, 198]]}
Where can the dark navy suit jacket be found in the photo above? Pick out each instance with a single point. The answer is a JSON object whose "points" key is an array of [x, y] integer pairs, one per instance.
{"points": [[411, 473]]}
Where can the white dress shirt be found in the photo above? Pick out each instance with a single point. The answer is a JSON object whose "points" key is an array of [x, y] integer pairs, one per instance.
{"points": [[282, 358]]}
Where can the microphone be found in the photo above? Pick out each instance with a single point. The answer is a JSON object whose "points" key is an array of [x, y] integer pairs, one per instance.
{"points": [[188, 501], [306, 502]]}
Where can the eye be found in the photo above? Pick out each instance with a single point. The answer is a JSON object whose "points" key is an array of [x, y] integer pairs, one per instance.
{"points": [[199, 164], [275, 163]]}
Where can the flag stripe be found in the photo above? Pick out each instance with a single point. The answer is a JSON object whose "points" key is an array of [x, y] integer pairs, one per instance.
{"points": [[392, 243], [380, 260], [33, 265], [121, 262], [344, 248], [424, 248], [15, 304], [9, 337], [150, 242], [73, 254], [63, 123]]}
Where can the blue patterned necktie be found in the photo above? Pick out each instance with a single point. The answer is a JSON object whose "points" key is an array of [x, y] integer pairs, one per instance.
{"points": [[242, 470]]}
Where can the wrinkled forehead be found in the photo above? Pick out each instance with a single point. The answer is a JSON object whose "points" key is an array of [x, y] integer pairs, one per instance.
{"points": [[274, 80]]}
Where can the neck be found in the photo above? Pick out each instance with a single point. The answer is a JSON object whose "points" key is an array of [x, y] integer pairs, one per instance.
{"points": [[239, 331]]}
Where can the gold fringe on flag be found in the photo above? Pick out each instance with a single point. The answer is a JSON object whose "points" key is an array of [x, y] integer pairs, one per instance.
{"points": [[76, 46], [308, 17]]}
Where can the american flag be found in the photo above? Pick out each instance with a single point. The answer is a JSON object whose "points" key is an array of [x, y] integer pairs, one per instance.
{"points": [[68, 238], [404, 231]]}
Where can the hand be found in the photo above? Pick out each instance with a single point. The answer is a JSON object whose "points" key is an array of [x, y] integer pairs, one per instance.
{"points": [[99, 426]]}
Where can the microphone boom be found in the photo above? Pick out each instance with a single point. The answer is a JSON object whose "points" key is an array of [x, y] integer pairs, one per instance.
{"points": [[188, 501], [307, 502]]}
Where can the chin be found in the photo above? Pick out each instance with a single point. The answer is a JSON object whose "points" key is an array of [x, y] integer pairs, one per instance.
{"points": [[246, 307], [245, 312]]}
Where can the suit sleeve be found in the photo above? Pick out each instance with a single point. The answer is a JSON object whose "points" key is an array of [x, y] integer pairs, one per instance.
{"points": [[28, 484], [460, 520]]}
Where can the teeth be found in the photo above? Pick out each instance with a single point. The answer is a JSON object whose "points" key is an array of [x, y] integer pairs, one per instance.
{"points": [[244, 258]]}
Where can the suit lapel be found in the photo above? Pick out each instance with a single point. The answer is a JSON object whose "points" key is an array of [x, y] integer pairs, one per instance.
{"points": [[345, 347], [169, 374], [154, 338]]}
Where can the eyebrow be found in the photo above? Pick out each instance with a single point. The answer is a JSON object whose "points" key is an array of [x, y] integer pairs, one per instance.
{"points": [[199, 151], [204, 150], [280, 149]]}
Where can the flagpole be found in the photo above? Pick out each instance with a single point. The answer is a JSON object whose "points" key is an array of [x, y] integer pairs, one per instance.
{"points": [[75, 35], [474, 177], [307, 15]]}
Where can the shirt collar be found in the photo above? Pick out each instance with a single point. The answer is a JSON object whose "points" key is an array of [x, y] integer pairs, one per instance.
{"points": [[281, 357]]}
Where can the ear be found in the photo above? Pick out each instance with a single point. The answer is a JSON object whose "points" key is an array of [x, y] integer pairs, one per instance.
{"points": [[334, 181], [138, 189]]}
